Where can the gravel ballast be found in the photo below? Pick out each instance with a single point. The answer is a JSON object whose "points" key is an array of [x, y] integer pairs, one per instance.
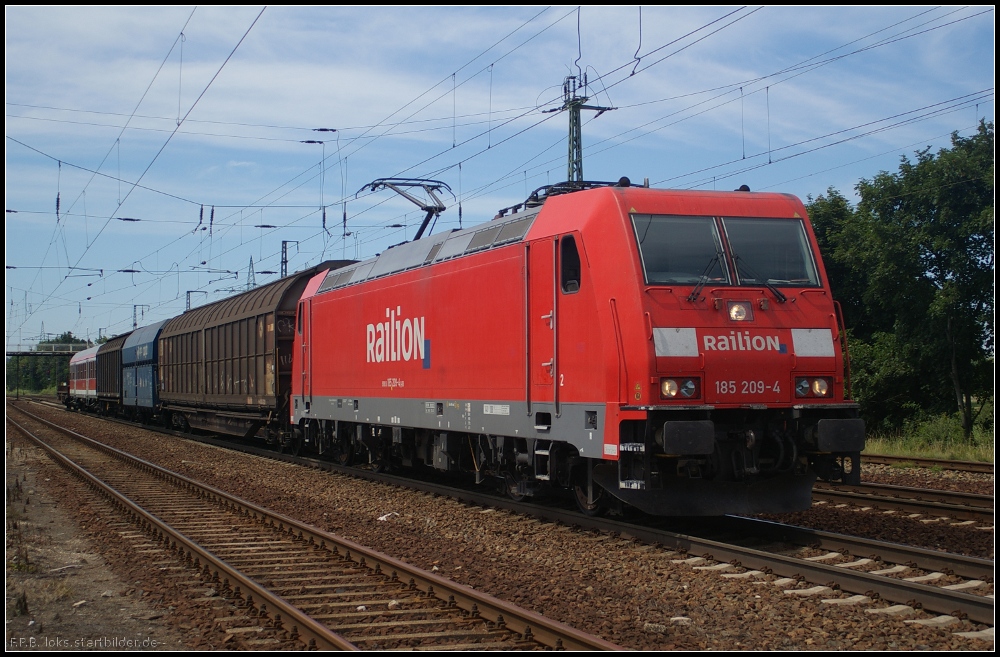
{"points": [[627, 593]]}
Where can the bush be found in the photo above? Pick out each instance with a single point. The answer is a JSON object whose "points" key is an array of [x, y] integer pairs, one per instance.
{"points": [[938, 436]]}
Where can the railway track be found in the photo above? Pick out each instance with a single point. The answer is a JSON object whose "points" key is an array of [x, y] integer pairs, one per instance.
{"points": [[805, 562], [944, 464], [298, 584], [920, 501], [811, 562]]}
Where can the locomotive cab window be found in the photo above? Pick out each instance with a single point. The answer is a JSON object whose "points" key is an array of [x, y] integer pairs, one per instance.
{"points": [[771, 251], [569, 258], [680, 250]]}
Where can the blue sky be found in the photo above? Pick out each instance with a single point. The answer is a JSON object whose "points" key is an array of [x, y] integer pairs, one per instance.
{"points": [[141, 120]]}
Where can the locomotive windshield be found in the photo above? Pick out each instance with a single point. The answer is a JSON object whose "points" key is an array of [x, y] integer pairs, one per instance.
{"points": [[680, 250], [771, 251]]}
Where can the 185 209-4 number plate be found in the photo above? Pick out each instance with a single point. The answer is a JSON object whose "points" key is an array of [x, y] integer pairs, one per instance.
{"points": [[746, 387]]}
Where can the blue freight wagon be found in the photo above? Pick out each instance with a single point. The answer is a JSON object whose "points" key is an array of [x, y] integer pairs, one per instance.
{"points": [[140, 398]]}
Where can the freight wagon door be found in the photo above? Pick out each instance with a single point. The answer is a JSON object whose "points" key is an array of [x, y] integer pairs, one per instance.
{"points": [[541, 321]]}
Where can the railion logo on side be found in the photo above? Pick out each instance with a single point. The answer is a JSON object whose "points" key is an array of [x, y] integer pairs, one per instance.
{"points": [[397, 339], [743, 342]]}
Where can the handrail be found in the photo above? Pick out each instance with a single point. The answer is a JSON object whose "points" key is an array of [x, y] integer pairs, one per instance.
{"points": [[847, 354]]}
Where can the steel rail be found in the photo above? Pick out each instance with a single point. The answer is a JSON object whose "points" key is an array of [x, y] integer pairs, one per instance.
{"points": [[871, 497], [957, 498], [977, 608], [544, 630], [943, 601], [302, 625], [924, 559], [931, 598], [945, 464], [935, 599]]}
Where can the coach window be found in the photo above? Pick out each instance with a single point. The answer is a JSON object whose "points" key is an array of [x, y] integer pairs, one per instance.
{"points": [[570, 260]]}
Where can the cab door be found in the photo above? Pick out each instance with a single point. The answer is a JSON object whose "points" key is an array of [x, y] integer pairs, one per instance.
{"points": [[305, 351], [542, 322]]}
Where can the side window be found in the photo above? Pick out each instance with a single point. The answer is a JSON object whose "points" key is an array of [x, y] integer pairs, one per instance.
{"points": [[569, 259], [298, 323]]}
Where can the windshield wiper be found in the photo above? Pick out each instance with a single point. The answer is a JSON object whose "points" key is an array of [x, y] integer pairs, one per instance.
{"points": [[775, 291], [704, 279]]}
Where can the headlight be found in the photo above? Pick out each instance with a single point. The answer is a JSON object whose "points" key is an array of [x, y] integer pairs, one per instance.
{"points": [[688, 388], [801, 387], [818, 386], [740, 311], [668, 388]]}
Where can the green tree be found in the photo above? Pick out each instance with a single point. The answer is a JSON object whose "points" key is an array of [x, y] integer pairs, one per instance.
{"points": [[830, 214], [913, 265]]}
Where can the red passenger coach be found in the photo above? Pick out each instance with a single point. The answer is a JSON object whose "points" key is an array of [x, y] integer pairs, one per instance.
{"points": [[676, 350], [83, 380]]}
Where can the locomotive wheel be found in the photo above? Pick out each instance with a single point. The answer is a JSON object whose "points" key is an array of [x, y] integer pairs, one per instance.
{"points": [[510, 488], [292, 446], [380, 458], [592, 509], [342, 453]]}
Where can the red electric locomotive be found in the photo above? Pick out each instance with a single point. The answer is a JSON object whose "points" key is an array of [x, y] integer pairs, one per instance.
{"points": [[677, 350]]}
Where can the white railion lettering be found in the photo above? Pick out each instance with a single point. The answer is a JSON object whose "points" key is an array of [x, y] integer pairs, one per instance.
{"points": [[388, 335], [397, 351], [380, 343], [418, 338], [406, 338], [395, 339], [370, 339], [741, 342]]}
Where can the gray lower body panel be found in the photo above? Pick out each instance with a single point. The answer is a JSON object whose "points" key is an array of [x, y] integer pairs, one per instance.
{"points": [[579, 424]]}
